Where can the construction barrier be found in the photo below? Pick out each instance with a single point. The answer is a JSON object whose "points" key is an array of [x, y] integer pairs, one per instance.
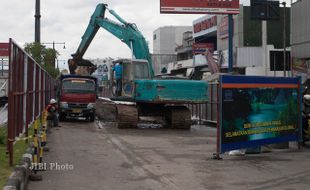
{"points": [[39, 141], [207, 113], [32, 160], [30, 89]]}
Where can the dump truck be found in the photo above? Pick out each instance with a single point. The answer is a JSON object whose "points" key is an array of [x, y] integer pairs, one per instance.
{"points": [[77, 96]]}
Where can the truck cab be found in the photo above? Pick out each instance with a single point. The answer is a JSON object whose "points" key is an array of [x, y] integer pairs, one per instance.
{"points": [[77, 96]]}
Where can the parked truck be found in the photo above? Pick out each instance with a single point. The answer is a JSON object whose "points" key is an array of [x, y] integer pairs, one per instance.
{"points": [[77, 96]]}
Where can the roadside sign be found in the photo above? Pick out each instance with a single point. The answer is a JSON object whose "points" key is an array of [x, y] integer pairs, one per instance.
{"points": [[200, 7], [200, 48], [4, 49], [258, 110]]}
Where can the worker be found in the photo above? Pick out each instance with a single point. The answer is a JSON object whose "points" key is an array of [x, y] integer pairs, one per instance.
{"points": [[118, 69], [306, 118], [52, 113]]}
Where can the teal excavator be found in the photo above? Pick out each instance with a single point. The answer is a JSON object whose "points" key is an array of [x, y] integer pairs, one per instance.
{"points": [[149, 95]]}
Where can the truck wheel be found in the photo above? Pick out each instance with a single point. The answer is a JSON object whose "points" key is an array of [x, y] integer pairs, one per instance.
{"points": [[62, 117], [92, 117]]}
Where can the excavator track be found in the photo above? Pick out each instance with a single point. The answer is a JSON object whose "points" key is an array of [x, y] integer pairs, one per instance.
{"points": [[127, 116], [178, 117]]}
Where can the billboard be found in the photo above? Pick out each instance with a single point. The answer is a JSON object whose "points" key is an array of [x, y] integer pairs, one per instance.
{"points": [[201, 48], [257, 111], [205, 25], [223, 27], [4, 49], [200, 7]]}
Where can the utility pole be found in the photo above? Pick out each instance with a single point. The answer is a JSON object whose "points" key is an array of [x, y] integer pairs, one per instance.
{"points": [[284, 37], [264, 46], [37, 16], [230, 43]]}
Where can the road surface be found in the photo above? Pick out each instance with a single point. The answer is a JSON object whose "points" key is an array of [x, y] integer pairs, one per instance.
{"points": [[100, 156]]}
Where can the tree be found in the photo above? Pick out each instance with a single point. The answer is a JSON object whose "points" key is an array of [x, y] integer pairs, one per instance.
{"points": [[44, 56]]}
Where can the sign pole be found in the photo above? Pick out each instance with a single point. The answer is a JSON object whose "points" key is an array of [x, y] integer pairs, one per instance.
{"points": [[264, 46], [230, 43], [284, 38]]}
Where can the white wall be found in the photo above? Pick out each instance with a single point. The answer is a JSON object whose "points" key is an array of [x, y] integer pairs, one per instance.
{"points": [[301, 29], [168, 38], [261, 71]]}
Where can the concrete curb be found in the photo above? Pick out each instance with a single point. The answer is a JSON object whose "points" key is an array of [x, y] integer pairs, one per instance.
{"points": [[18, 180]]}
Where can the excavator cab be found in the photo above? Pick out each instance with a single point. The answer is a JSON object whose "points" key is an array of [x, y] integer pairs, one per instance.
{"points": [[132, 69]]}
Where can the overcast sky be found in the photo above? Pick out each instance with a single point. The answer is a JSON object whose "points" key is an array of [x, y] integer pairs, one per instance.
{"points": [[66, 21]]}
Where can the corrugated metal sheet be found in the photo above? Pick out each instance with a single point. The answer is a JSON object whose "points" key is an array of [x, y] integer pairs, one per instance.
{"points": [[301, 29], [249, 57]]}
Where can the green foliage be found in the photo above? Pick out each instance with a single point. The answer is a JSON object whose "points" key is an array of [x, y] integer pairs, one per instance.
{"points": [[18, 150], [44, 56], [3, 134], [35, 50], [267, 97], [51, 70], [256, 107], [289, 114]]}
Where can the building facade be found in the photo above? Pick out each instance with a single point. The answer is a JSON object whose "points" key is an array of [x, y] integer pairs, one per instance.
{"points": [[167, 38], [247, 42], [166, 41], [301, 39]]}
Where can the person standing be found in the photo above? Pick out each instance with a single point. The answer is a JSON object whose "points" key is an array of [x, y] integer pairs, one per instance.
{"points": [[118, 69], [52, 113]]}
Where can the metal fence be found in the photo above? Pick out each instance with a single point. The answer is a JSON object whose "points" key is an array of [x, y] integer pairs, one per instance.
{"points": [[207, 113], [30, 88]]}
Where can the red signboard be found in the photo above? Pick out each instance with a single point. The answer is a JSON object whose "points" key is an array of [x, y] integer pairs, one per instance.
{"points": [[205, 24], [200, 6], [223, 28], [200, 48], [4, 49]]}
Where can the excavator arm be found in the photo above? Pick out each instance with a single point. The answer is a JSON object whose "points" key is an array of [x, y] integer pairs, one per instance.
{"points": [[126, 32]]}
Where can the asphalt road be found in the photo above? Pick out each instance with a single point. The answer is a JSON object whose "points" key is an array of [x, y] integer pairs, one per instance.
{"points": [[100, 156]]}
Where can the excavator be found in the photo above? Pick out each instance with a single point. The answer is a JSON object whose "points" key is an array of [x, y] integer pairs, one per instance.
{"points": [[142, 93]]}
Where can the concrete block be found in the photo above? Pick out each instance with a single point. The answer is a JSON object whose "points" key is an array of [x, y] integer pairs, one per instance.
{"points": [[19, 175], [12, 184], [29, 150], [27, 158]]}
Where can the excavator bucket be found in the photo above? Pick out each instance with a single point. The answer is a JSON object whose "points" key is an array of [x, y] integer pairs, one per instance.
{"points": [[81, 67]]}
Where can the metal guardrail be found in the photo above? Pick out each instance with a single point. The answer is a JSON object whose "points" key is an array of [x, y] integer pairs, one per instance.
{"points": [[3, 115], [207, 113], [3, 85], [30, 88]]}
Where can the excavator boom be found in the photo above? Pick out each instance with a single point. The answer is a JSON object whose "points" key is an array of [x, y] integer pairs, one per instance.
{"points": [[126, 32]]}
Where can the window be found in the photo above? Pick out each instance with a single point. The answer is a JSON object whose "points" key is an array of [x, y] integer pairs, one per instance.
{"points": [[78, 86], [141, 71]]}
